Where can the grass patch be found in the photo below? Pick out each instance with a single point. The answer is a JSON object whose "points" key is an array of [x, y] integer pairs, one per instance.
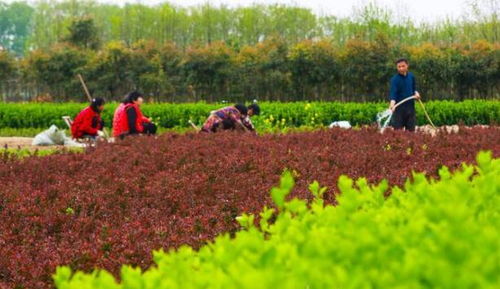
{"points": [[25, 152], [20, 132]]}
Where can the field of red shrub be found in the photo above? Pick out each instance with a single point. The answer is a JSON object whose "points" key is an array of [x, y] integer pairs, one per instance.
{"points": [[115, 204]]}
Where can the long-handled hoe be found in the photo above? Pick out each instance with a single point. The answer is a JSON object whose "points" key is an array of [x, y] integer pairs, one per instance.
{"points": [[89, 97], [194, 126]]}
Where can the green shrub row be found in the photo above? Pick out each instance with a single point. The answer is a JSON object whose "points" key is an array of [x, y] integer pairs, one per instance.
{"points": [[433, 234], [270, 70], [274, 114]]}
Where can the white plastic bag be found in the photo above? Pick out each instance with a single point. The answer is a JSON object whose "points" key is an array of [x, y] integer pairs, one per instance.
{"points": [[342, 124], [68, 142], [42, 139], [49, 137], [54, 136]]}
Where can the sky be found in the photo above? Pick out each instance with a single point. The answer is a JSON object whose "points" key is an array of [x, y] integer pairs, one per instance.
{"points": [[422, 10]]}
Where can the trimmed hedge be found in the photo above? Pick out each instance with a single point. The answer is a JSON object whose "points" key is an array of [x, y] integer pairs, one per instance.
{"points": [[274, 114]]}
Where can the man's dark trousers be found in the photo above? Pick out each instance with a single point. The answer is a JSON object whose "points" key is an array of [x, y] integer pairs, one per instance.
{"points": [[404, 116]]}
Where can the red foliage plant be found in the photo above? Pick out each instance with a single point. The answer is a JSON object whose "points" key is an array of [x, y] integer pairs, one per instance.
{"points": [[114, 204]]}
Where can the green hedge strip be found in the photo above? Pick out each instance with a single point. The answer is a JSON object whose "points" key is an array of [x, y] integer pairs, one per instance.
{"points": [[274, 114]]}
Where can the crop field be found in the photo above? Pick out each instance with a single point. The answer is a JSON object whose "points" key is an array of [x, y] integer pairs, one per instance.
{"points": [[116, 203]]}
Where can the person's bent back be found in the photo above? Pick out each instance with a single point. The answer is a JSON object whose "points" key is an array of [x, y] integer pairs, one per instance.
{"points": [[88, 123], [230, 118], [128, 118]]}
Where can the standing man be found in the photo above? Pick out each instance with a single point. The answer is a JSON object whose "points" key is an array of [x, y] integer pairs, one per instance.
{"points": [[403, 86]]}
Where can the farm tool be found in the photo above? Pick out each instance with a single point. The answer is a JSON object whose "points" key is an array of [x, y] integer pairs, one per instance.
{"points": [[194, 125], [384, 117]]}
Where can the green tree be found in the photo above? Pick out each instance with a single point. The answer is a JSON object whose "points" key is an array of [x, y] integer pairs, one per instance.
{"points": [[109, 72], [7, 71], [314, 69], [7, 65], [208, 69], [171, 59], [55, 71], [367, 67], [292, 23], [146, 70], [275, 80], [250, 24], [15, 20], [83, 33]]}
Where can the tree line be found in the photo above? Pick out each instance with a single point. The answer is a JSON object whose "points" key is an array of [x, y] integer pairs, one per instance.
{"points": [[270, 70], [38, 25]]}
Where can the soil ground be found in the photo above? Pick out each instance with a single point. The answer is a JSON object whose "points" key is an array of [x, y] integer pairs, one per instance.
{"points": [[25, 142], [21, 143]]}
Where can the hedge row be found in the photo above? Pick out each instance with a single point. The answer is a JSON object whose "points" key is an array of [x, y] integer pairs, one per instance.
{"points": [[274, 114], [271, 70], [432, 234]]}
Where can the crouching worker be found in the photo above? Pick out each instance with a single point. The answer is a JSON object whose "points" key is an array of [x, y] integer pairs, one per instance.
{"points": [[128, 118], [230, 118], [88, 123]]}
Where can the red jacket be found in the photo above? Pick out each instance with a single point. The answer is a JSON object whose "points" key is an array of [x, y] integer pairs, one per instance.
{"points": [[120, 119], [87, 122]]}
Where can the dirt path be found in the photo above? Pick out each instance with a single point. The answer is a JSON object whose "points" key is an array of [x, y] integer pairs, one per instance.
{"points": [[15, 142], [21, 143]]}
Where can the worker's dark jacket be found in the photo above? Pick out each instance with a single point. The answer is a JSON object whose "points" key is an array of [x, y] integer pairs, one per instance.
{"points": [[403, 87]]}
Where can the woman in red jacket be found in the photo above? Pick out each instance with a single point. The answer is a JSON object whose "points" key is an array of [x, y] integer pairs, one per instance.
{"points": [[88, 123], [128, 118]]}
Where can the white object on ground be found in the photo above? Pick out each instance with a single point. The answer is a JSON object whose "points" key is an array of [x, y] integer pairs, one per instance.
{"points": [[54, 136], [68, 142], [341, 124], [49, 137]]}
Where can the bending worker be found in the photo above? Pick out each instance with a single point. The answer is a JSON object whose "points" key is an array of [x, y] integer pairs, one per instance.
{"points": [[403, 86], [128, 118], [231, 117], [88, 123]]}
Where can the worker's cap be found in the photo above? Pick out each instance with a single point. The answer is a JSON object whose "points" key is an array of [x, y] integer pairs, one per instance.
{"points": [[98, 101]]}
